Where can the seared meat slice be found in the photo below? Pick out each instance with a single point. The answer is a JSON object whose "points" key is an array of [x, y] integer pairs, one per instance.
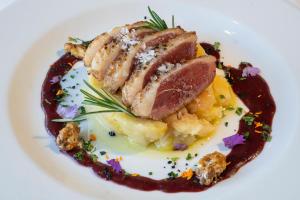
{"points": [[103, 58], [103, 39], [110, 51], [175, 87], [121, 68], [182, 47], [97, 44]]}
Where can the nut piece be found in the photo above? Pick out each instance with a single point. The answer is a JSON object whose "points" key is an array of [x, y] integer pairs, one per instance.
{"points": [[76, 50], [68, 137], [210, 167]]}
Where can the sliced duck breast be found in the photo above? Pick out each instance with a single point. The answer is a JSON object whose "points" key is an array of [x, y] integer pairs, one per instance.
{"points": [[175, 86], [178, 49], [110, 51], [121, 68], [105, 38]]}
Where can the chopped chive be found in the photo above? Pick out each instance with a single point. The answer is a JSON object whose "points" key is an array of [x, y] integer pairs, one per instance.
{"points": [[174, 159], [217, 46], [94, 157], [246, 135], [78, 155], [266, 127], [248, 119], [172, 175], [266, 136], [239, 111], [189, 156], [219, 65]]}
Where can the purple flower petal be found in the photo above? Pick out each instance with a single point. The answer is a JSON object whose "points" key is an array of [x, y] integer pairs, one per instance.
{"points": [[252, 71], [233, 140], [180, 146], [115, 165], [55, 79], [67, 112]]}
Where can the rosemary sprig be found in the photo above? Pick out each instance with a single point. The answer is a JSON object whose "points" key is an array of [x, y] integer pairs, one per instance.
{"points": [[75, 40], [104, 100], [156, 23], [100, 98]]}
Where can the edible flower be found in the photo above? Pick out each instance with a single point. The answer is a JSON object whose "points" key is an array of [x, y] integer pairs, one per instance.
{"points": [[252, 71], [68, 112], [55, 79], [115, 165], [187, 174], [258, 124], [180, 146], [233, 140]]}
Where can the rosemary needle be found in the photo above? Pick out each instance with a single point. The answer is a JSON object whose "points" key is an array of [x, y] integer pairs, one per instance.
{"points": [[101, 98]]}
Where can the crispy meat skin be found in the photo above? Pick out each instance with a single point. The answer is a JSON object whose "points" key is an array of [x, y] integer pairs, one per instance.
{"points": [[174, 89]]}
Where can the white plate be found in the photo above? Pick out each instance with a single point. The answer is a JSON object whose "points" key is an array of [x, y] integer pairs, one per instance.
{"points": [[263, 33]]}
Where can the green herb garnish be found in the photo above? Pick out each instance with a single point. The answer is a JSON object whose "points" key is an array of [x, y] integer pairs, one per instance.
{"points": [[88, 146], [239, 111], [266, 133], [94, 157], [101, 99], [266, 127], [173, 21], [249, 119], [226, 124], [222, 96], [189, 156], [246, 135], [156, 23], [150, 173], [174, 159], [172, 175], [266, 136], [78, 155], [219, 65], [75, 40], [217, 46]]}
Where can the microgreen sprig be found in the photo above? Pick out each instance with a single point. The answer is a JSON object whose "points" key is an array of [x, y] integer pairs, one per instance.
{"points": [[75, 40], [156, 22]]}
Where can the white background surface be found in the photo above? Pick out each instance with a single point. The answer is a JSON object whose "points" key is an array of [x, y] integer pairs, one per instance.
{"points": [[265, 33]]}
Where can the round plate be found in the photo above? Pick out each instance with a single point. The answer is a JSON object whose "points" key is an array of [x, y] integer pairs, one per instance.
{"points": [[263, 33]]}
